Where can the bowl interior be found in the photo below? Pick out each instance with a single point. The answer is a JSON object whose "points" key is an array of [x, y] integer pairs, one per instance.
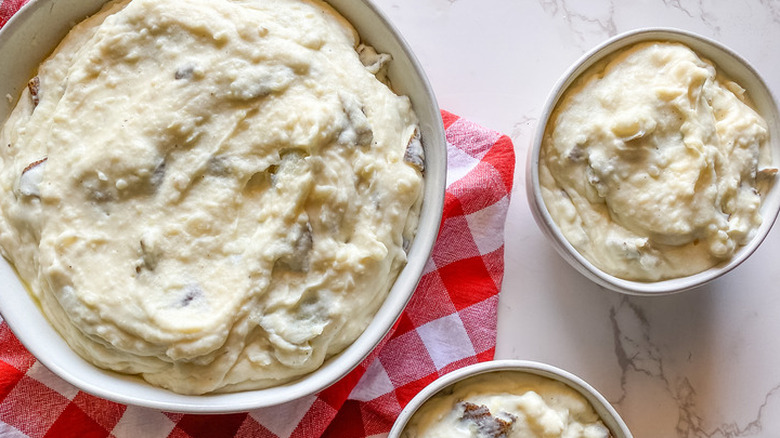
{"points": [[33, 33], [603, 408], [727, 62]]}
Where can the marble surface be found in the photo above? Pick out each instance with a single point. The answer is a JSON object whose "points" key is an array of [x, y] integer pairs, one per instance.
{"points": [[703, 363]]}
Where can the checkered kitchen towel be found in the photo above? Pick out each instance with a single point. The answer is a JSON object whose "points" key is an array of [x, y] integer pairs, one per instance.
{"points": [[449, 323]]}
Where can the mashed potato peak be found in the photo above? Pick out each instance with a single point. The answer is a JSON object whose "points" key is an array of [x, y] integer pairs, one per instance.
{"points": [[653, 164], [213, 194]]}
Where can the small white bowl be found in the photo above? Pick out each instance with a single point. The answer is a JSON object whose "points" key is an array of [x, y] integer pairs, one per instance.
{"points": [[33, 33], [726, 61], [600, 404]]}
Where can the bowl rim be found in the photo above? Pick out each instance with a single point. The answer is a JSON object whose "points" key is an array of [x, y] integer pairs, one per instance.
{"points": [[602, 406], [533, 188], [126, 389]]}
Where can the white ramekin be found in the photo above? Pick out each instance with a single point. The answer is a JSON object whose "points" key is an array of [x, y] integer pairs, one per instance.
{"points": [[728, 62], [600, 404]]}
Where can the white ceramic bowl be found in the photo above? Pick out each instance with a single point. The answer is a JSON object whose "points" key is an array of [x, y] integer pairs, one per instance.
{"points": [[726, 61], [33, 33], [600, 404]]}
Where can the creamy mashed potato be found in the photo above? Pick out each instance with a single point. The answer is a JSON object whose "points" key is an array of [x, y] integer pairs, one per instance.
{"points": [[653, 165], [216, 195], [506, 404]]}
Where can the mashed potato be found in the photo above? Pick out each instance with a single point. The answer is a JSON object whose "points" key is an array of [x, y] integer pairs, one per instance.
{"points": [[506, 404], [216, 195], [653, 165]]}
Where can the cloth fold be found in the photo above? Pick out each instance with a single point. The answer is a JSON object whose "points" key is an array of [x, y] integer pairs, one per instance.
{"points": [[449, 323]]}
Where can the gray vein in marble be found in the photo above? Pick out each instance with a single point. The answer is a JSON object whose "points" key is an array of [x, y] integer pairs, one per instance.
{"points": [[695, 9], [523, 129], [773, 7], [690, 424], [583, 23], [633, 347], [636, 352], [586, 22]]}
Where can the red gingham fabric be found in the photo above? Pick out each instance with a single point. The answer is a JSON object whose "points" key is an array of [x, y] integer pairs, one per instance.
{"points": [[449, 323], [9, 8]]}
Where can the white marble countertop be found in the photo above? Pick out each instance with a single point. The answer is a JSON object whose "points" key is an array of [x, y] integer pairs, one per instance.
{"points": [[703, 363]]}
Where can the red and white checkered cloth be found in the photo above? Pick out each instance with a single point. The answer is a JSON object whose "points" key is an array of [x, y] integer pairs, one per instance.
{"points": [[449, 323], [7, 9]]}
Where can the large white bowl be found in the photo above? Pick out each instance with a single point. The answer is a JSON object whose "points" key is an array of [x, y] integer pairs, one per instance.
{"points": [[33, 33], [726, 61], [603, 408]]}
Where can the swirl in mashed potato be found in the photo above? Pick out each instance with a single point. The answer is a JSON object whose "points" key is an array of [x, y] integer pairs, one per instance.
{"points": [[216, 195], [653, 165]]}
